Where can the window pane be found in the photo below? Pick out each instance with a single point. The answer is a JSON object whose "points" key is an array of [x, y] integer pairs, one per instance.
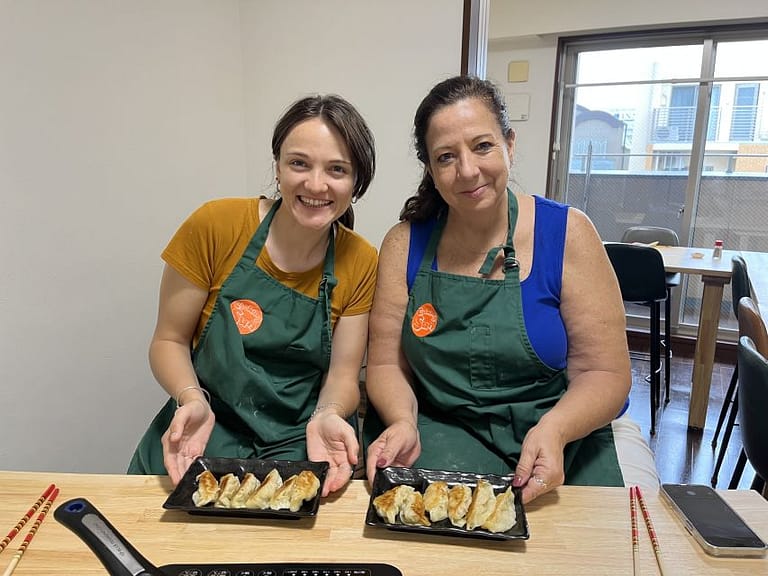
{"points": [[630, 155], [733, 195], [631, 139], [742, 59], [626, 65]]}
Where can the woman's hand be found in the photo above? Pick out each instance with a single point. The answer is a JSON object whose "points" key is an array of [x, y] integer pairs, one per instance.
{"points": [[540, 468], [398, 445], [331, 439], [186, 437]]}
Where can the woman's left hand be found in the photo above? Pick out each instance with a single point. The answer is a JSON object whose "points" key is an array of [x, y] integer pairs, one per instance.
{"points": [[331, 439], [540, 468]]}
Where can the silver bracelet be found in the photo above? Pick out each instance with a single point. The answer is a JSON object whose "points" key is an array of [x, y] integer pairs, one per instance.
{"points": [[320, 407], [205, 392]]}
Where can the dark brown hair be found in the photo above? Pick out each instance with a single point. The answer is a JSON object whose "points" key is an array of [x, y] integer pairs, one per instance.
{"points": [[427, 202], [340, 114]]}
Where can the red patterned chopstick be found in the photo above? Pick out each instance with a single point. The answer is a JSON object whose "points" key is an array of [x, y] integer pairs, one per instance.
{"points": [[651, 530], [31, 534], [635, 542], [24, 519]]}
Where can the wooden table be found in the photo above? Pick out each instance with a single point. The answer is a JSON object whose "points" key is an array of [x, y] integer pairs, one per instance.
{"points": [[574, 530], [715, 273]]}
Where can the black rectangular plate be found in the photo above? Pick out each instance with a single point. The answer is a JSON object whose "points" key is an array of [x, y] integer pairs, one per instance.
{"points": [[181, 497], [420, 478]]}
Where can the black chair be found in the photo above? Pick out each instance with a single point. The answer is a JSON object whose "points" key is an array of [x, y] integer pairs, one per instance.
{"points": [[665, 237], [740, 288], [752, 326], [753, 398], [640, 272]]}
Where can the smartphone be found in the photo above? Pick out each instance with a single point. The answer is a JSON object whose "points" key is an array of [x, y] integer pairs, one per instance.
{"points": [[711, 521]]}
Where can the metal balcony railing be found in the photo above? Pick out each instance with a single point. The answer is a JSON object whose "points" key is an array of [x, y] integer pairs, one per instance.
{"points": [[731, 124]]}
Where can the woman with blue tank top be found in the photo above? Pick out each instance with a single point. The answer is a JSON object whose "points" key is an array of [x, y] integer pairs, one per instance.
{"points": [[497, 335]]}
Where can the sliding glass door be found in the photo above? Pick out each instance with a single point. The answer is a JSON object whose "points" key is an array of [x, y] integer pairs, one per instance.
{"points": [[668, 130]]}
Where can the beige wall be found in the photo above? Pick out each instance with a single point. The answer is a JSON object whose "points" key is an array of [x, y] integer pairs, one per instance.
{"points": [[525, 31], [119, 118], [532, 135], [516, 18]]}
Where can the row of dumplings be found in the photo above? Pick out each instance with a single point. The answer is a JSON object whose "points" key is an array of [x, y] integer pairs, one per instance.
{"points": [[464, 507], [271, 493]]}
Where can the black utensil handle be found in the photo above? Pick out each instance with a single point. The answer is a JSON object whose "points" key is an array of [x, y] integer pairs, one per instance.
{"points": [[114, 551]]}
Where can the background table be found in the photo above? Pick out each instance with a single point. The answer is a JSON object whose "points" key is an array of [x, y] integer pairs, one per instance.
{"points": [[715, 273], [574, 530]]}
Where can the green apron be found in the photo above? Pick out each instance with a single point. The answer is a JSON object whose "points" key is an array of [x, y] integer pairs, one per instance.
{"points": [[262, 356], [479, 383]]}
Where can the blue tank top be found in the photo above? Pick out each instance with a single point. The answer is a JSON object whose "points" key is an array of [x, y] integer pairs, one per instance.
{"points": [[540, 290]]}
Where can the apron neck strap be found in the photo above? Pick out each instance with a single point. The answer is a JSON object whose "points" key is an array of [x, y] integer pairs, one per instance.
{"points": [[327, 284], [510, 262], [330, 258], [260, 237], [430, 253]]}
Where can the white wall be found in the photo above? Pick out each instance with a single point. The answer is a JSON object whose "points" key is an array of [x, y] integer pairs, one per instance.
{"points": [[523, 31], [116, 119], [119, 118]]}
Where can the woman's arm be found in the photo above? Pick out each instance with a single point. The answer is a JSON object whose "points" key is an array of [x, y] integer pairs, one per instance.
{"points": [[340, 392], [181, 303], [388, 375], [329, 437], [598, 360], [593, 313]]}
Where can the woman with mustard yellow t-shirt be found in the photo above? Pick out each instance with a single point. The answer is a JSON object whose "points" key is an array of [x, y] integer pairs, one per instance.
{"points": [[263, 311]]}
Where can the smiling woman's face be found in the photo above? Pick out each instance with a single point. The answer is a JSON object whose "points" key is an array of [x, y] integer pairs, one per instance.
{"points": [[315, 173], [469, 158]]}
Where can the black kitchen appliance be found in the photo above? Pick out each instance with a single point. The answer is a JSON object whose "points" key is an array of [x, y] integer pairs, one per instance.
{"points": [[120, 558]]}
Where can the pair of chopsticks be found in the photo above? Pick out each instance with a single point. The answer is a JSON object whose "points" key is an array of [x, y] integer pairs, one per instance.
{"points": [[46, 500], [635, 495]]}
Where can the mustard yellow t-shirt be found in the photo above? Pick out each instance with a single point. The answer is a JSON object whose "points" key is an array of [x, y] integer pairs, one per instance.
{"points": [[208, 245]]}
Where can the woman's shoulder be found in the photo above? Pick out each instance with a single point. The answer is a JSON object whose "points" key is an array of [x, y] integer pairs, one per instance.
{"points": [[582, 240], [356, 258], [579, 222], [227, 210], [397, 237], [349, 241], [393, 255]]}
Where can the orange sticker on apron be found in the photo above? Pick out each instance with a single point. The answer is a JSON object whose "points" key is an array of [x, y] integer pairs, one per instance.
{"points": [[424, 321], [247, 315]]}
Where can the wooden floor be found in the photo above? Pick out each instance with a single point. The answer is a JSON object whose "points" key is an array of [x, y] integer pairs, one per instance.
{"points": [[683, 455]]}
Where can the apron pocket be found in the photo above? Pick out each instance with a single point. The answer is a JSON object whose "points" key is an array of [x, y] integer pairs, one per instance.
{"points": [[482, 367]]}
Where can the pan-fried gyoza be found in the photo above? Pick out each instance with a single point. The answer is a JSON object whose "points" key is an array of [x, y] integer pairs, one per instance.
{"points": [[271, 493], [228, 487], [207, 489], [460, 504]]}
